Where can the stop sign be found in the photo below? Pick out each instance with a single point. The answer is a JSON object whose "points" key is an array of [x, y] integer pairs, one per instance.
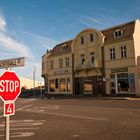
{"points": [[9, 86]]}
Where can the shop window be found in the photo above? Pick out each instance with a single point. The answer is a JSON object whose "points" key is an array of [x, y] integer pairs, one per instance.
{"points": [[62, 85], [132, 82], [52, 85], [123, 52], [88, 88], [112, 84], [68, 84], [112, 53], [123, 83], [82, 59]]}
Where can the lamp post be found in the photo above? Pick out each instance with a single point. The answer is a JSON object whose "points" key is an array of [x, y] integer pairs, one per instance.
{"points": [[34, 80]]}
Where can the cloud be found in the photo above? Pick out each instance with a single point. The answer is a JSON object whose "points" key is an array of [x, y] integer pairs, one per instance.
{"points": [[2, 23], [9, 44], [93, 19], [44, 41]]}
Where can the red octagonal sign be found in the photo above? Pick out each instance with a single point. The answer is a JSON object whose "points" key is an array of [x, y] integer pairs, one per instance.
{"points": [[9, 86]]}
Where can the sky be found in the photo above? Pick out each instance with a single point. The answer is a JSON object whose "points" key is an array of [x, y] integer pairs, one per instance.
{"points": [[29, 27]]}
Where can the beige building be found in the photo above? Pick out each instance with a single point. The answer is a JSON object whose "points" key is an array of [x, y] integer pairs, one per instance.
{"points": [[57, 69], [96, 62], [28, 83]]}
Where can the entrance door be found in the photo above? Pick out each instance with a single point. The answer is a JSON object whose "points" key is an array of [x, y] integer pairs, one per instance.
{"points": [[78, 86], [100, 87]]}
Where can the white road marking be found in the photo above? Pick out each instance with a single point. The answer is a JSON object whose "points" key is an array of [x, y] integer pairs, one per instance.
{"points": [[23, 107], [69, 115], [75, 116], [23, 134], [18, 129], [22, 128], [104, 108]]}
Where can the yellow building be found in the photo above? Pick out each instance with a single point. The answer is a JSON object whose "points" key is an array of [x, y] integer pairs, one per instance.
{"points": [[28, 83], [57, 69], [96, 62]]}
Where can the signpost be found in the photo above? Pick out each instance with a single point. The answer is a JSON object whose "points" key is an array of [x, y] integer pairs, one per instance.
{"points": [[9, 89], [14, 62]]}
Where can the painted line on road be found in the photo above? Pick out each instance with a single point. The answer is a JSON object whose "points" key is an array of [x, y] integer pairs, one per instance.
{"points": [[75, 116], [72, 116], [23, 107], [105, 108], [18, 129]]}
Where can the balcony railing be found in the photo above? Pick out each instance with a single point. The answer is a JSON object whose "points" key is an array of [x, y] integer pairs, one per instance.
{"points": [[86, 66]]}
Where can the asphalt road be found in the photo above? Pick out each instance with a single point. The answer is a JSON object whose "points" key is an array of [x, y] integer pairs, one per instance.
{"points": [[74, 119]]}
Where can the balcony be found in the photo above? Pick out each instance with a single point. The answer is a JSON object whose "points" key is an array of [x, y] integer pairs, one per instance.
{"points": [[86, 66]]}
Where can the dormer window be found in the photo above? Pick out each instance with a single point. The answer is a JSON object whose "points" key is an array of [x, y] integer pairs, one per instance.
{"points": [[64, 47], [118, 33]]}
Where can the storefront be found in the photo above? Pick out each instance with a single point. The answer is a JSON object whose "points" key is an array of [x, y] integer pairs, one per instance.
{"points": [[122, 83], [93, 85], [60, 82]]}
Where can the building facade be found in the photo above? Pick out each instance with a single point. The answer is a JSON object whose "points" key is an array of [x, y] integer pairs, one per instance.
{"points": [[96, 62], [57, 69]]}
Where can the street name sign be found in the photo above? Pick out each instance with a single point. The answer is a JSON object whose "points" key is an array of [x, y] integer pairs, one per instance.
{"points": [[14, 62]]}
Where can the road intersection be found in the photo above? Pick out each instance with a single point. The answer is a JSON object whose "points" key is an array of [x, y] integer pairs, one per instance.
{"points": [[70, 119]]}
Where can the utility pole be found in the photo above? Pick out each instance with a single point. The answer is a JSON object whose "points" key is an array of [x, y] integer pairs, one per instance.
{"points": [[34, 80]]}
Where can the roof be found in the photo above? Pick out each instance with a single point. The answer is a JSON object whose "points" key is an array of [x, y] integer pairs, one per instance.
{"points": [[58, 49], [127, 28]]}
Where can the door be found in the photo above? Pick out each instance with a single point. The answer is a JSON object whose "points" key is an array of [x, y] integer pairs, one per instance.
{"points": [[100, 87]]}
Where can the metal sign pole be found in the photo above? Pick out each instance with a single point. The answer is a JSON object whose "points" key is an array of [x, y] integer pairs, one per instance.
{"points": [[7, 121], [7, 127]]}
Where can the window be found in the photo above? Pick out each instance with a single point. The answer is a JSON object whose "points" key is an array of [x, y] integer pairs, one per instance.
{"points": [[88, 88], [82, 40], [118, 33], [91, 37], [67, 61], [123, 83], [92, 57], [56, 83], [68, 84], [132, 82], [64, 47], [62, 85], [82, 59], [52, 85], [112, 53], [61, 63], [51, 64], [123, 52]]}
